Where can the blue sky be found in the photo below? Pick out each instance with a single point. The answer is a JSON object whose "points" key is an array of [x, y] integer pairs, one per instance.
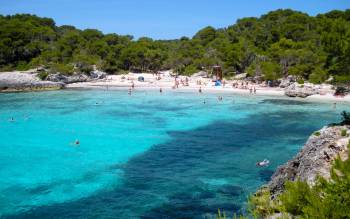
{"points": [[159, 19]]}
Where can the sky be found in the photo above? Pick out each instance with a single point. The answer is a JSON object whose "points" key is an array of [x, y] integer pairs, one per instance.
{"points": [[159, 19]]}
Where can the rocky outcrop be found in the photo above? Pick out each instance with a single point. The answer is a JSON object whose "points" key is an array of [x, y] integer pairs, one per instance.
{"points": [[25, 81], [286, 82], [299, 90], [75, 78], [57, 77], [314, 159], [307, 89]]}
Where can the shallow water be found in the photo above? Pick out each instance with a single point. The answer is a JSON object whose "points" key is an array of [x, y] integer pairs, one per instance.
{"points": [[147, 155]]}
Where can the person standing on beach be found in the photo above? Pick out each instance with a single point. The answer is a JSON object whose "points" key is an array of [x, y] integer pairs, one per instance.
{"points": [[200, 90], [254, 90]]}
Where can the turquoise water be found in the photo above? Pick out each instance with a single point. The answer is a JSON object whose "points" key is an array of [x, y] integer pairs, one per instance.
{"points": [[147, 155]]}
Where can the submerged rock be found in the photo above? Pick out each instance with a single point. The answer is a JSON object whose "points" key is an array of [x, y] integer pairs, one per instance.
{"points": [[231, 190], [314, 159]]}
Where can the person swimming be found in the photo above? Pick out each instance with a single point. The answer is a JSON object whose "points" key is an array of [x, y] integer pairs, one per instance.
{"points": [[263, 163], [160, 90], [200, 90], [11, 119], [129, 92], [77, 142]]}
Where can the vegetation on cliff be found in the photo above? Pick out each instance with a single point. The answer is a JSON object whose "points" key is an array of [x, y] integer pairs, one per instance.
{"points": [[324, 197], [278, 43], [328, 198]]}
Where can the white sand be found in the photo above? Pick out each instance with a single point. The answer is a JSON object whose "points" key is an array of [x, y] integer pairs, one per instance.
{"points": [[167, 83]]}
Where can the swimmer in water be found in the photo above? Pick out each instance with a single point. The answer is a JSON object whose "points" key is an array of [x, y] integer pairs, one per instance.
{"points": [[77, 142], [334, 106], [12, 119], [129, 92], [160, 90], [200, 90]]}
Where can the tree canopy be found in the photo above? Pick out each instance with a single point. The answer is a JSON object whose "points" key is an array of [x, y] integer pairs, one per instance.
{"points": [[279, 43]]}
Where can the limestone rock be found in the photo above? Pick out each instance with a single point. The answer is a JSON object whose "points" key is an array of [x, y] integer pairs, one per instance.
{"points": [[20, 81], [98, 74], [57, 77], [307, 89], [286, 82], [314, 159]]}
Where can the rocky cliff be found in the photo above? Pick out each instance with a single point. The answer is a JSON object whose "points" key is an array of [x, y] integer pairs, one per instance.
{"points": [[314, 159]]}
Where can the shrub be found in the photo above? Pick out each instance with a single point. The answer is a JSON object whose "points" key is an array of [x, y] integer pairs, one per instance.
{"points": [[326, 199], [43, 75], [318, 76], [62, 68], [300, 81], [260, 204], [343, 132], [317, 133], [190, 69]]}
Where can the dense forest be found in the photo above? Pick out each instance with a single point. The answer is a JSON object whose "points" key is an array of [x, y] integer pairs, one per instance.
{"points": [[280, 43]]}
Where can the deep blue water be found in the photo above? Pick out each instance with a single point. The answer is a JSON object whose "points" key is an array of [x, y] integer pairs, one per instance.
{"points": [[147, 155]]}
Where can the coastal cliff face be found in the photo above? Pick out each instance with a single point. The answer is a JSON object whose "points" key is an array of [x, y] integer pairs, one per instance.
{"points": [[314, 159]]}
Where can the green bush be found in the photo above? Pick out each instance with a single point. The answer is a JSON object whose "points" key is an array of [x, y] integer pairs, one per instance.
{"points": [[260, 204], [43, 75], [343, 132], [300, 81], [326, 199], [318, 76], [62, 68], [190, 69], [317, 133]]}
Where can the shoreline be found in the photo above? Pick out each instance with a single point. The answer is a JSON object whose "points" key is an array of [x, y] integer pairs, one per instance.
{"points": [[277, 92]]}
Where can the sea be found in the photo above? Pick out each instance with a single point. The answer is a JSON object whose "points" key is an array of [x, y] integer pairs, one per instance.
{"points": [[94, 153]]}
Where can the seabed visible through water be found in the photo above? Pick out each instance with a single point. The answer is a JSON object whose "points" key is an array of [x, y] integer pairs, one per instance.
{"points": [[148, 155]]}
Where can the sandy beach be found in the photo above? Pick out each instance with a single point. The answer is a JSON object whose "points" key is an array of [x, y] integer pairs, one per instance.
{"points": [[194, 84]]}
